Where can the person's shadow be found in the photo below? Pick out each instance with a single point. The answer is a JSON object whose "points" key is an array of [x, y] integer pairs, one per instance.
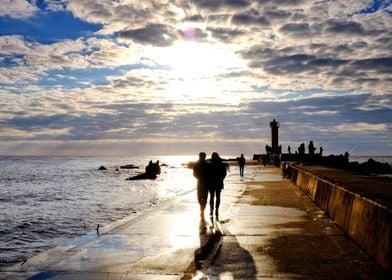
{"points": [[221, 254]]}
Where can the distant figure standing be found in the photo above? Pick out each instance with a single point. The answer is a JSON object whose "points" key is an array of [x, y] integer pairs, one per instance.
{"points": [[201, 171], [311, 148], [241, 162], [289, 150], [301, 149], [218, 174], [321, 151], [301, 152], [285, 169], [149, 168], [157, 168], [346, 155]]}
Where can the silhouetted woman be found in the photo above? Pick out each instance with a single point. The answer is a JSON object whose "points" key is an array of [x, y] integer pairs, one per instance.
{"points": [[218, 174]]}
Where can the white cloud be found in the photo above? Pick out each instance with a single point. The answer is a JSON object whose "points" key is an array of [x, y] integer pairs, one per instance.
{"points": [[56, 5], [120, 15], [322, 113], [361, 127], [17, 8], [14, 45]]}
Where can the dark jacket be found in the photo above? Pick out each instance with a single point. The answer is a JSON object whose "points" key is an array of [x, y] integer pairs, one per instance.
{"points": [[241, 161], [218, 174], [202, 172]]}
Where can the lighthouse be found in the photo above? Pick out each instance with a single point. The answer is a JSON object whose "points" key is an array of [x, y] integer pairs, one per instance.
{"points": [[275, 136]]}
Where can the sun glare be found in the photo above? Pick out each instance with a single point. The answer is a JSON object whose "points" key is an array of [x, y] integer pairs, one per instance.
{"points": [[194, 68], [194, 60]]}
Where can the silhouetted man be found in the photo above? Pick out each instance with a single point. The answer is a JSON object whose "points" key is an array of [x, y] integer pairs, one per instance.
{"points": [[241, 163], [311, 148], [201, 171], [301, 149]]}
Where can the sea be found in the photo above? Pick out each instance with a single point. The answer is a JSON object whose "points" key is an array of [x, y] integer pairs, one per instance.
{"points": [[45, 201]]}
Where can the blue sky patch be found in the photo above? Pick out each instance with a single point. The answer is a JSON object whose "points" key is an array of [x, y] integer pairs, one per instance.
{"points": [[80, 78], [47, 28], [10, 61], [376, 5]]}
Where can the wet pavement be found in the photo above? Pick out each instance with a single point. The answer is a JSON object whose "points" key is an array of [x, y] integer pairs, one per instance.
{"points": [[268, 229]]}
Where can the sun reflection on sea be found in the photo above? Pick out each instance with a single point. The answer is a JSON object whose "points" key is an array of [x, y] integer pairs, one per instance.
{"points": [[176, 178]]}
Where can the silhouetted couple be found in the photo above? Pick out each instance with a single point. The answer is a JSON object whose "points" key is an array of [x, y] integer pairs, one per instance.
{"points": [[210, 176]]}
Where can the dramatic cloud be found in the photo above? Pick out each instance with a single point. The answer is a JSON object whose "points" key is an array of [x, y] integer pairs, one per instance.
{"points": [[251, 17], [180, 76], [17, 8], [154, 34]]}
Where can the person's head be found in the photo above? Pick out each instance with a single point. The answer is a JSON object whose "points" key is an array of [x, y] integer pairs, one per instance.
{"points": [[202, 156], [242, 155], [215, 156]]}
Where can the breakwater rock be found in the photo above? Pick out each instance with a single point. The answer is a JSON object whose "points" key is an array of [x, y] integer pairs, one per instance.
{"points": [[340, 161], [371, 167]]}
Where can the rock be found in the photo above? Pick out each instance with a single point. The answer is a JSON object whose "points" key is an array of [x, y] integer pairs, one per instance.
{"points": [[102, 168], [143, 176], [375, 167], [129, 166]]}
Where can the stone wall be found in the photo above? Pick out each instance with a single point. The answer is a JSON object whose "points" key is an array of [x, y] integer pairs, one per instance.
{"points": [[368, 223]]}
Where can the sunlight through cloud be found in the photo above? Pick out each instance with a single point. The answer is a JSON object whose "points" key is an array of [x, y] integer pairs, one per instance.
{"points": [[190, 60]]}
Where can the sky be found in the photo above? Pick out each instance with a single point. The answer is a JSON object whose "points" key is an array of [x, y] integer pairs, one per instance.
{"points": [[127, 77]]}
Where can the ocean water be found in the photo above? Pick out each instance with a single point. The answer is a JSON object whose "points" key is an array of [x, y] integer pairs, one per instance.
{"points": [[47, 200], [362, 159]]}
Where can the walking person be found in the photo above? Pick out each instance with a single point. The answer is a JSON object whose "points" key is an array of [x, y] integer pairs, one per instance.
{"points": [[202, 171], [218, 174], [241, 163]]}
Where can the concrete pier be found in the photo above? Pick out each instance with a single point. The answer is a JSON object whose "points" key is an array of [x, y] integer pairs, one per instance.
{"points": [[268, 229]]}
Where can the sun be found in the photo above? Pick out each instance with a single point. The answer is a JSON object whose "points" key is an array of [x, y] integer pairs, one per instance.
{"points": [[194, 69], [190, 59]]}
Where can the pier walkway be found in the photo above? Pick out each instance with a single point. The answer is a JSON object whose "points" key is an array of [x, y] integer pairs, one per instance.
{"points": [[268, 230]]}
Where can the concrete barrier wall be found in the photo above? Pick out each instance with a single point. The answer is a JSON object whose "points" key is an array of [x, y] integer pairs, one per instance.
{"points": [[370, 226], [368, 223], [323, 194], [339, 207]]}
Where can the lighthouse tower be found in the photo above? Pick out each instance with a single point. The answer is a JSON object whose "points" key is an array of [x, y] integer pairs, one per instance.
{"points": [[275, 136]]}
